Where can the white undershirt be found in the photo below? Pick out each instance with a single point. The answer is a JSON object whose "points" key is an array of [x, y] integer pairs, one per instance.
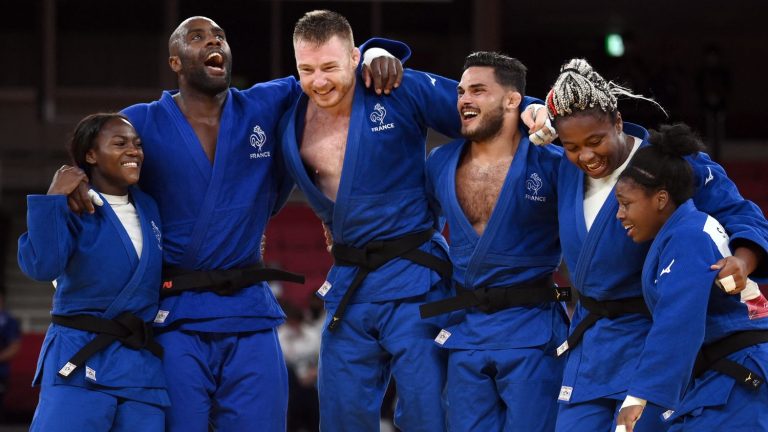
{"points": [[128, 216], [596, 191]]}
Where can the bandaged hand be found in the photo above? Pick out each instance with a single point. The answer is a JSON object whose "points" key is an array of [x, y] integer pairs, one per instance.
{"points": [[732, 277], [383, 69], [540, 127]]}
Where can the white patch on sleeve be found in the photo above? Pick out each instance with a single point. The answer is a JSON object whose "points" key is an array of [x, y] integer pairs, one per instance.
{"points": [[717, 234], [565, 393], [324, 288], [442, 336], [161, 316], [90, 373]]}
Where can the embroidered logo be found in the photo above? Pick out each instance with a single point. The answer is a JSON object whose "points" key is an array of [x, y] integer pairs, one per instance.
{"points": [[377, 116], [667, 414], [257, 139], [431, 79], [158, 235], [710, 177], [565, 393], [668, 269], [533, 185]]}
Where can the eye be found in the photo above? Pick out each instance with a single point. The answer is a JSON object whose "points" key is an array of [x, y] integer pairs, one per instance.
{"points": [[220, 37]]}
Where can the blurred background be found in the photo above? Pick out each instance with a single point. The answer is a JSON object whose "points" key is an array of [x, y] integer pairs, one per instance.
{"points": [[704, 61]]}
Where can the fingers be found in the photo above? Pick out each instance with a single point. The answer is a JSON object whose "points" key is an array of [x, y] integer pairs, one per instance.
{"points": [[732, 277], [367, 76], [81, 195], [73, 205], [399, 71], [390, 76]]}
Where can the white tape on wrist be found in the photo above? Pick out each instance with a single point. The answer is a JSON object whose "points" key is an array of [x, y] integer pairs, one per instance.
{"points": [[95, 197], [372, 53], [728, 283]]}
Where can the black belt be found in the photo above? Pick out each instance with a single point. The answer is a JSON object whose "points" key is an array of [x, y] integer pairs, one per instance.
{"points": [[126, 328], [377, 253], [713, 356], [599, 310], [222, 282], [490, 300]]}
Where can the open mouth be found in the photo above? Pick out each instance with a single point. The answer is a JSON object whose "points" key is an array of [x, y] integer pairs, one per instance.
{"points": [[630, 229], [595, 166], [131, 164], [469, 113], [215, 60]]}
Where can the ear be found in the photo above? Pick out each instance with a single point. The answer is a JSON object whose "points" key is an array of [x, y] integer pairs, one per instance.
{"points": [[175, 63], [663, 199], [355, 56], [515, 98], [619, 123], [90, 158]]}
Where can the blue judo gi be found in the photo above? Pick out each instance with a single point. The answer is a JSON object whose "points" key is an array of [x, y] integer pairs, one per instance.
{"points": [[98, 273], [218, 349], [381, 196], [690, 310], [606, 265], [502, 370]]}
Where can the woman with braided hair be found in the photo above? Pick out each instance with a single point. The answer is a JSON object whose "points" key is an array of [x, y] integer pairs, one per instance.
{"points": [[611, 321], [722, 388]]}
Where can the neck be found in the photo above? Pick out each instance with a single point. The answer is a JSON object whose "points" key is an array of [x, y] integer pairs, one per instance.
{"points": [[101, 185], [502, 145], [194, 103]]}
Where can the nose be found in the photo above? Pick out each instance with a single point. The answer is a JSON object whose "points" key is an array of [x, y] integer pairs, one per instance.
{"points": [[620, 213], [586, 155], [213, 40]]}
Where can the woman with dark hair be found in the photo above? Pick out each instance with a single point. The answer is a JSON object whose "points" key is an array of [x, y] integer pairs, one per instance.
{"points": [[99, 367], [722, 388], [610, 320]]}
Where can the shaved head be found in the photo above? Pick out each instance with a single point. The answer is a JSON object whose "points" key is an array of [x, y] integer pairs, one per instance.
{"points": [[181, 30]]}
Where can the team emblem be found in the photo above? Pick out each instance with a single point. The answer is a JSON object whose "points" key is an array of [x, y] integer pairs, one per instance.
{"points": [[533, 184], [258, 138], [378, 114]]}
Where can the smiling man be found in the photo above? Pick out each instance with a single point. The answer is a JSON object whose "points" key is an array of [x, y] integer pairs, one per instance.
{"points": [[498, 194]]}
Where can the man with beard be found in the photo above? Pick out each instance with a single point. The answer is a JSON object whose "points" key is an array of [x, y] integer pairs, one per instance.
{"points": [[211, 164], [359, 158], [497, 192]]}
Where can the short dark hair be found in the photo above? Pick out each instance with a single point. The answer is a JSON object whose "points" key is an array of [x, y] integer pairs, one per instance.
{"points": [[661, 165], [509, 71], [84, 136], [319, 26]]}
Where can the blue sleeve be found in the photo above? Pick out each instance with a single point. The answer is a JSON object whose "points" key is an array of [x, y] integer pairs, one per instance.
{"points": [[717, 195], [679, 319], [45, 248], [433, 98], [396, 48]]}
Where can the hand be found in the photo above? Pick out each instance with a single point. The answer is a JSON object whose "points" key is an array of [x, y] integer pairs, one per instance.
{"points": [[733, 274], [535, 117], [72, 182], [628, 416], [386, 72]]}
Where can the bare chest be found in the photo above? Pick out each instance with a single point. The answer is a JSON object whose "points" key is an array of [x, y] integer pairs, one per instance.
{"points": [[478, 188], [322, 149]]}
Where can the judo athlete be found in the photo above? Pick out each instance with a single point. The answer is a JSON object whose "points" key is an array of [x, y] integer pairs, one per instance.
{"points": [[611, 317], [99, 367], [213, 170], [722, 388], [359, 158], [498, 194]]}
